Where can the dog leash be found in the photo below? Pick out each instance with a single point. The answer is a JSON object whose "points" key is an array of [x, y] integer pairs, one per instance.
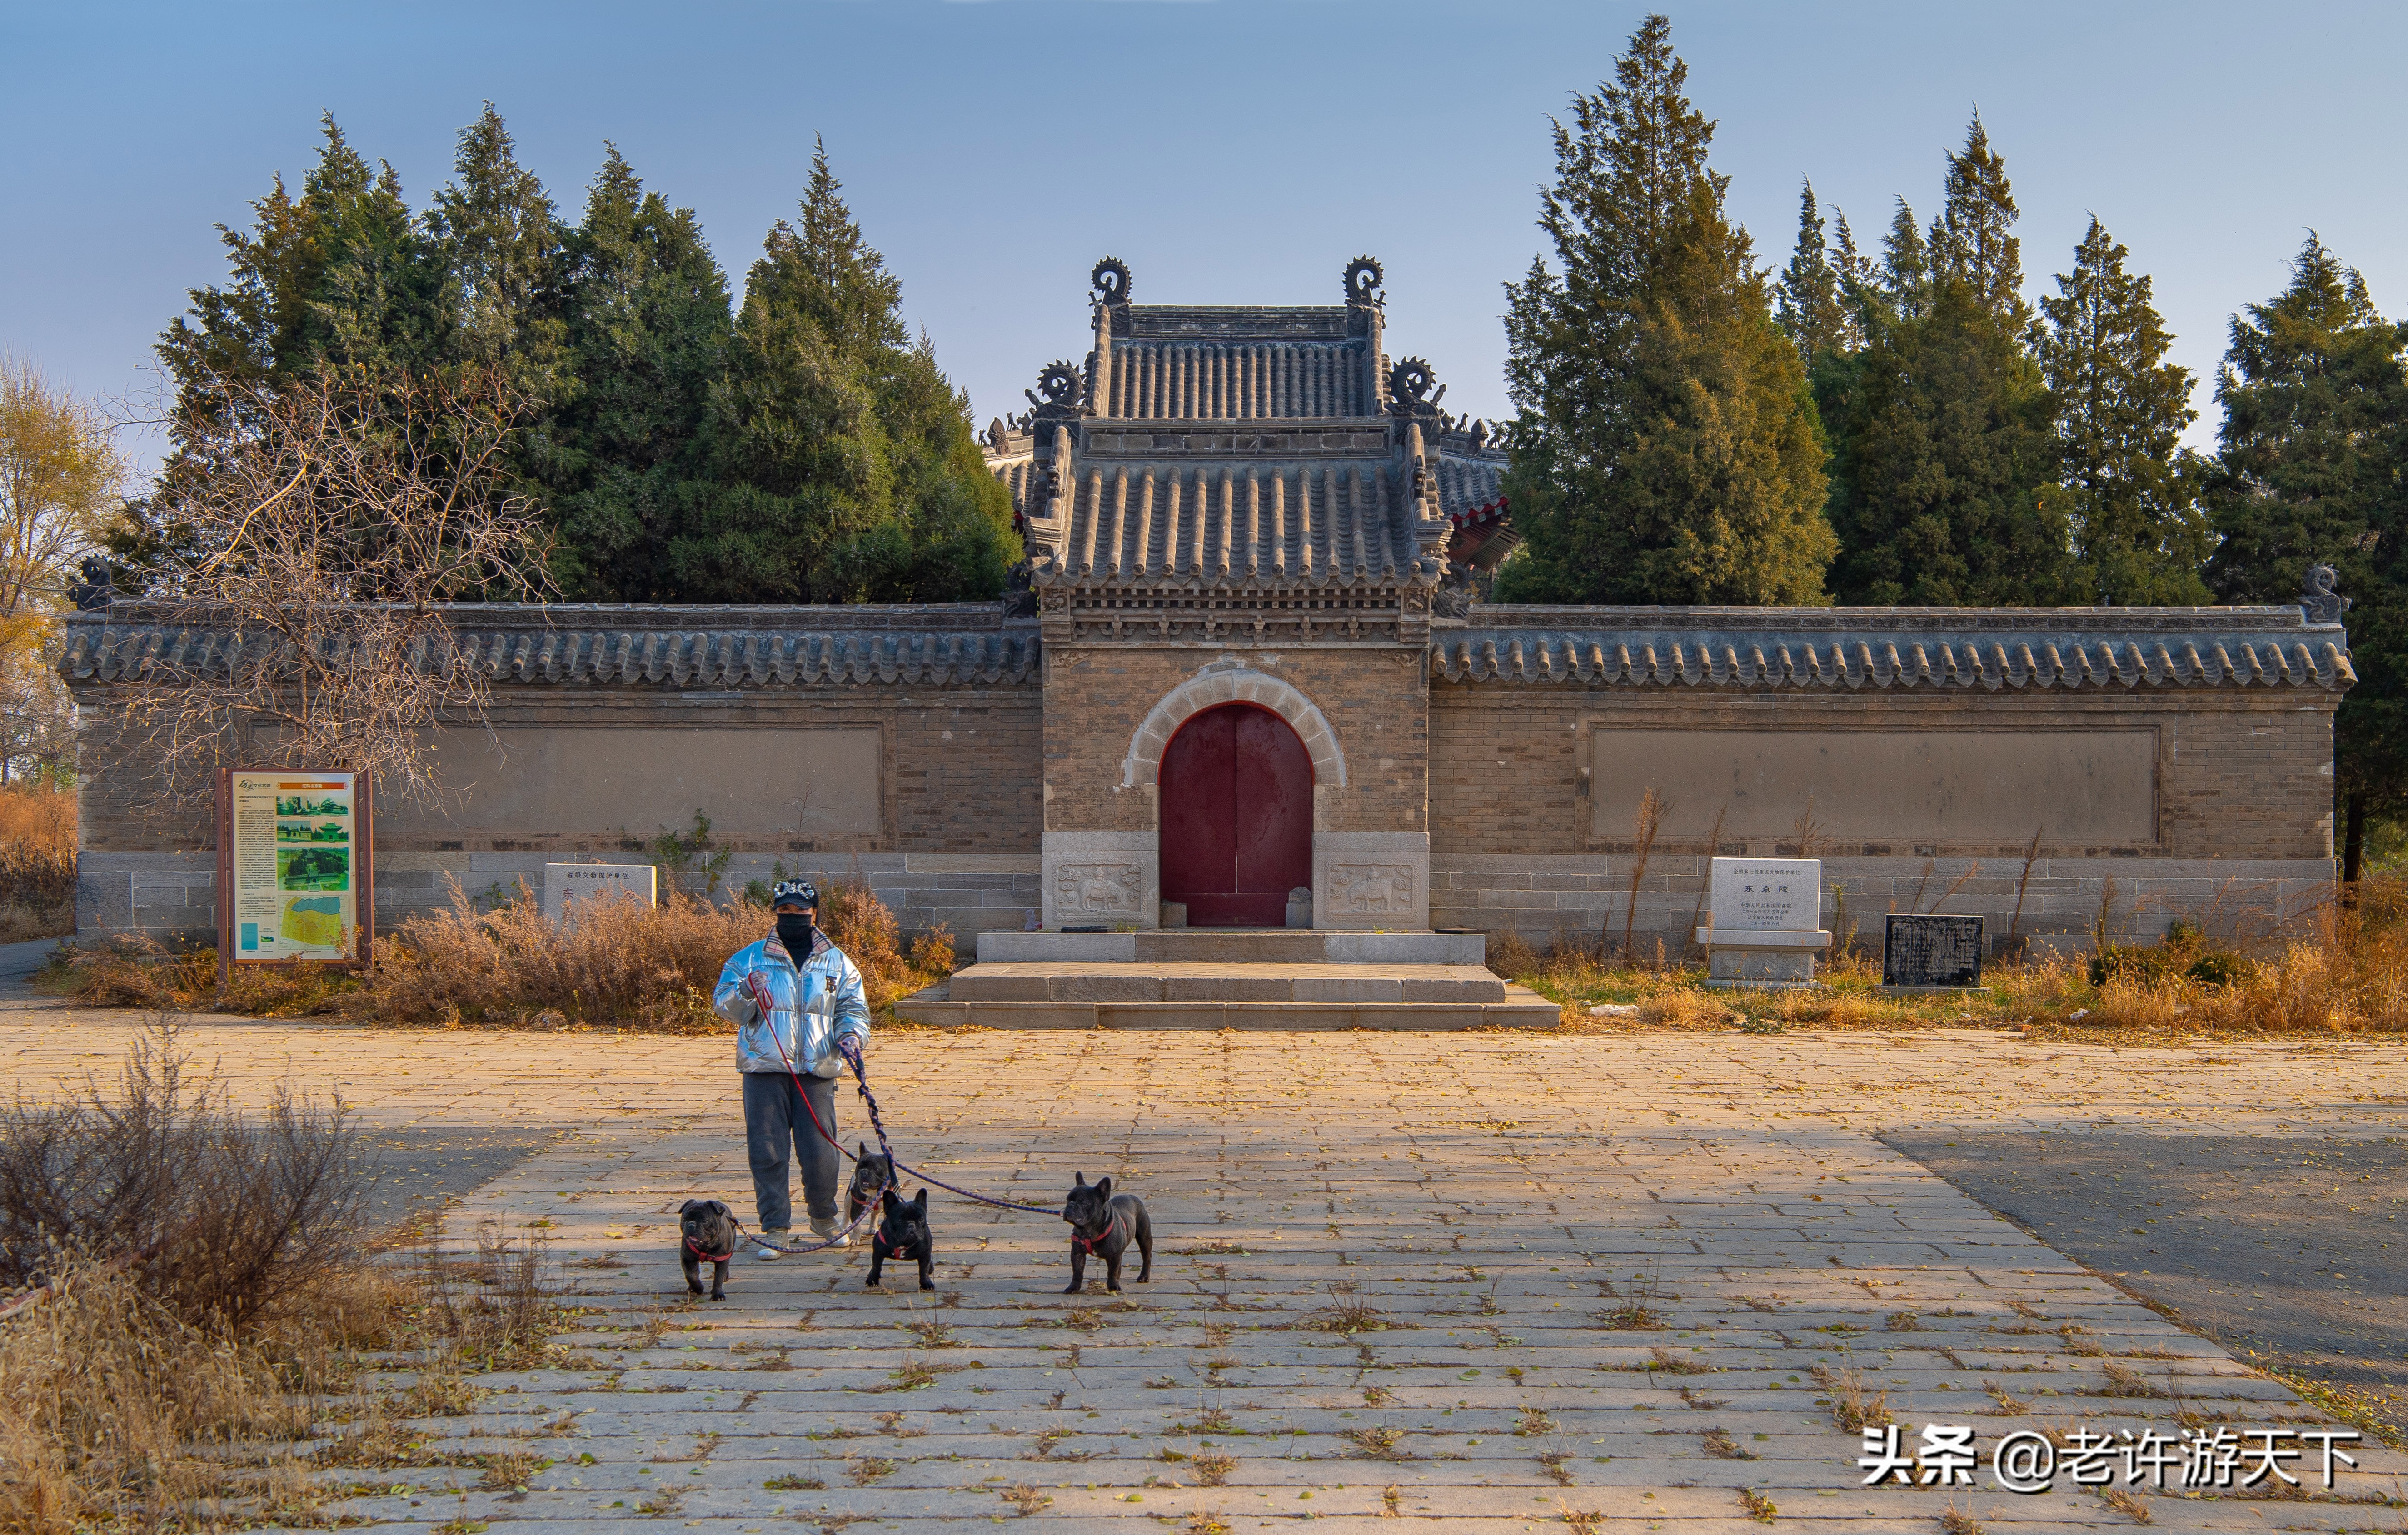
{"points": [[761, 999], [760, 992]]}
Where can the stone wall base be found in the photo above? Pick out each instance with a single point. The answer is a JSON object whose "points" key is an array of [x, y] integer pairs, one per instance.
{"points": [[1579, 899], [172, 895]]}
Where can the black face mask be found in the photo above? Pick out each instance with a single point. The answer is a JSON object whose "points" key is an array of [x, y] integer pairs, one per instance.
{"points": [[795, 932]]}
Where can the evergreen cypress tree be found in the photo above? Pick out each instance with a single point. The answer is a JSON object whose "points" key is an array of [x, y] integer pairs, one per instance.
{"points": [[1942, 447], [1667, 449], [2129, 492], [646, 330], [500, 245], [1809, 304], [2309, 470], [1905, 271], [1973, 240], [339, 275], [847, 467]]}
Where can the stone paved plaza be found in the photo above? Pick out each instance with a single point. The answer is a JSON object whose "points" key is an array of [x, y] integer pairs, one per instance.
{"points": [[1501, 1201]]}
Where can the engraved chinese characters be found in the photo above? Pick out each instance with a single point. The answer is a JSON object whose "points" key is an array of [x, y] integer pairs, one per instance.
{"points": [[1931, 951], [1767, 922]]}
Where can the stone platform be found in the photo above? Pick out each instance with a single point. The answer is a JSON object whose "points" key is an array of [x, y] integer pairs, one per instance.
{"points": [[1229, 978]]}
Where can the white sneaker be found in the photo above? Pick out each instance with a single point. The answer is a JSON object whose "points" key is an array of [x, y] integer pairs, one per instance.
{"points": [[824, 1227], [771, 1255]]}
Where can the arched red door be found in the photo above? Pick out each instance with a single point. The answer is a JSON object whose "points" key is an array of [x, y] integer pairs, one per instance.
{"points": [[1235, 789]]}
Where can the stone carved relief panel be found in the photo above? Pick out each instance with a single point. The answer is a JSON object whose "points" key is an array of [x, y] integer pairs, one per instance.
{"points": [[1371, 890], [1106, 891]]}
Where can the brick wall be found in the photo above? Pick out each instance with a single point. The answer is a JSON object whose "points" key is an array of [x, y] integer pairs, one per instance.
{"points": [[956, 842], [2244, 816]]}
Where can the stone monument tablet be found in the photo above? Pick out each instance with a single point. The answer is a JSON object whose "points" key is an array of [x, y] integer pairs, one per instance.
{"points": [[566, 885], [1932, 952], [1767, 894], [1765, 922]]}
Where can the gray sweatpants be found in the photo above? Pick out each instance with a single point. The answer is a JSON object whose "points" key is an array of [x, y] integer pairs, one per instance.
{"points": [[774, 1122]]}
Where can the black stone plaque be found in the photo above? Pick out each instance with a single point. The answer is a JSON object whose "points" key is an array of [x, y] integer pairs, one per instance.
{"points": [[1932, 952]]}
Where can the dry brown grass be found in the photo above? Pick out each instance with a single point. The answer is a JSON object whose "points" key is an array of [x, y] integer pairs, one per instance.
{"points": [[2341, 972], [184, 1339], [38, 862], [1853, 1407], [220, 1217], [619, 963]]}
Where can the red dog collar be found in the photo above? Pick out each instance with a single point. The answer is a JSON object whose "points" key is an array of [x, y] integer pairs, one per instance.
{"points": [[695, 1248]]}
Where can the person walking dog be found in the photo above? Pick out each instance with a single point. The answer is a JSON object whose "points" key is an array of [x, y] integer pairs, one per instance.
{"points": [[817, 1020]]}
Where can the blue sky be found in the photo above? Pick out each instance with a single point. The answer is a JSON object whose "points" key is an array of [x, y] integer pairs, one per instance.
{"points": [[1231, 152]]}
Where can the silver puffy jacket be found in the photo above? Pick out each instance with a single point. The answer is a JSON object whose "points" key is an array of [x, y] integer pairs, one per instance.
{"points": [[811, 1006]]}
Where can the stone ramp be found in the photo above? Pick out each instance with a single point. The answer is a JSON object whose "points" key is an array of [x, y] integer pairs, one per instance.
{"points": [[1206, 977]]}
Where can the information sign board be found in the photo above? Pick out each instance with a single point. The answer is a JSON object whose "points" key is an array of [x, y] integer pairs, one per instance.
{"points": [[1931, 951], [294, 878]]}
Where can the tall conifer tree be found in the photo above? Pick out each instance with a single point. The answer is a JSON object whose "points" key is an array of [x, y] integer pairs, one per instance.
{"points": [[848, 469], [504, 260], [2129, 492], [1942, 443], [1809, 303], [647, 324], [1666, 449], [2309, 469]]}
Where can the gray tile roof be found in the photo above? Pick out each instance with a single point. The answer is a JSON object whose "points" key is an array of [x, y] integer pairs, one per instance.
{"points": [[1894, 647], [959, 645], [1343, 519], [1195, 379]]}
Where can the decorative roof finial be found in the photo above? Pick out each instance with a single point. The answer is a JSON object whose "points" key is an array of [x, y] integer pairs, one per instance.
{"points": [[1363, 279], [2320, 603], [1110, 280]]}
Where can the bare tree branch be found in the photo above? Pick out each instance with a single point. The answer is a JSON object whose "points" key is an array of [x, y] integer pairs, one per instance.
{"points": [[322, 532]]}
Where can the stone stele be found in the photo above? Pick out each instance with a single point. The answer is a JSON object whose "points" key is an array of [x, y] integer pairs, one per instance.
{"points": [[1767, 924], [574, 884]]}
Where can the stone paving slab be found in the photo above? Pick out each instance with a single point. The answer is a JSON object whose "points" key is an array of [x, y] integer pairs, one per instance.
{"points": [[1577, 1257]]}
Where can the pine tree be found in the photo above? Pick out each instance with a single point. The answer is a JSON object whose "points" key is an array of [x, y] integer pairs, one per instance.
{"points": [[646, 331], [500, 245], [2309, 470], [2127, 491], [847, 467], [1940, 426], [340, 273], [1973, 240], [1667, 449], [1809, 305], [1905, 274]]}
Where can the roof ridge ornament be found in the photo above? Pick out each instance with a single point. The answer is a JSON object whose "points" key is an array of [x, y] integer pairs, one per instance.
{"points": [[1364, 281], [1110, 280], [2320, 601]]}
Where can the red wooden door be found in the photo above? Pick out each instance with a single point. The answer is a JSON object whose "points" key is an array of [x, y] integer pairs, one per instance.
{"points": [[1236, 793]]}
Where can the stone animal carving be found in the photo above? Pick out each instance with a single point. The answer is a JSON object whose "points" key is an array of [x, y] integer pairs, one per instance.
{"points": [[1110, 280], [2321, 603], [1362, 279], [1409, 381], [97, 590], [1060, 383]]}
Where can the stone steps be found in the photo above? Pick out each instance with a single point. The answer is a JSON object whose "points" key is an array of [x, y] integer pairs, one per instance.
{"points": [[1520, 1009], [1236, 945], [1161, 982], [1230, 978]]}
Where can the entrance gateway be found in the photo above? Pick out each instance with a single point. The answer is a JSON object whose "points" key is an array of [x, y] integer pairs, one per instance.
{"points": [[1236, 818]]}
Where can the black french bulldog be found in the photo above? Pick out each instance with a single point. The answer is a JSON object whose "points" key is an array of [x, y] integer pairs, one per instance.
{"points": [[1102, 1223], [871, 1172], [903, 1233], [707, 1229]]}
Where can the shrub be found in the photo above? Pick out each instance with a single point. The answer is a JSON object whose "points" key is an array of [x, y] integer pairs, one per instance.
{"points": [[38, 862], [215, 1217]]}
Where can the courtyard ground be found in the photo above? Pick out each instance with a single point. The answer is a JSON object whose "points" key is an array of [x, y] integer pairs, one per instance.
{"points": [[1485, 1281]]}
